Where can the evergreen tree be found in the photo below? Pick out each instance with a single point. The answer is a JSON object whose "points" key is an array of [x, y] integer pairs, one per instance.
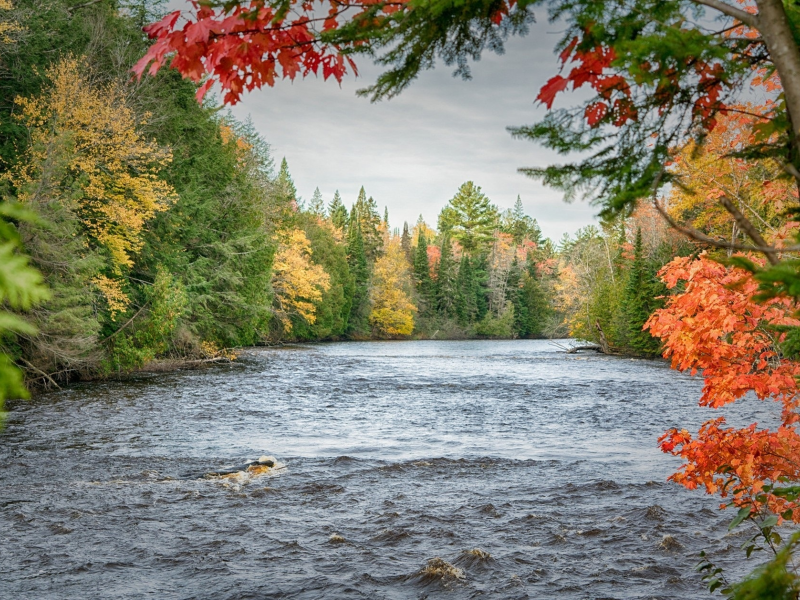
{"points": [[405, 244], [338, 212], [367, 211], [422, 275], [386, 217], [480, 269], [466, 293], [359, 268], [519, 225], [470, 218], [515, 295], [446, 281], [639, 303], [285, 184], [537, 303], [317, 205]]}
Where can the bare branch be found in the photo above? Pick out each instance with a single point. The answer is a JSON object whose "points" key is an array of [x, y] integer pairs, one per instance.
{"points": [[747, 226], [72, 9], [128, 322], [701, 237], [745, 17]]}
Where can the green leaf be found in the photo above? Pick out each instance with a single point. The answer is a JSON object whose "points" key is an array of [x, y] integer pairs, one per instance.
{"points": [[740, 516]]}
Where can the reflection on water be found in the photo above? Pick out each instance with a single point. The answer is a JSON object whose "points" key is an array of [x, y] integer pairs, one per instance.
{"points": [[412, 470]]}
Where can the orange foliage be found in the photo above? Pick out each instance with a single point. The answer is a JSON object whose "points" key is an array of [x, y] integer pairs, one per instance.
{"points": [[758, 188], [715, 327]]}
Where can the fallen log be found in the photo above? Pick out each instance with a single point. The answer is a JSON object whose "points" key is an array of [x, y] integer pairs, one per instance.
{"points": [[576, 349]]}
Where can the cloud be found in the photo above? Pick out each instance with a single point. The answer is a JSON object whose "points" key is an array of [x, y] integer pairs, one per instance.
{"points": [[413, 152]]}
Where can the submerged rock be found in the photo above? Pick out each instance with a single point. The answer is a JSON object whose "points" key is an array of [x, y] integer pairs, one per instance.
{"points": [[255, 468], [438, 568], [669, 543]]}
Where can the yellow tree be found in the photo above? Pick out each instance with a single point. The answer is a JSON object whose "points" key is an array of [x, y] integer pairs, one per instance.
{"points": [[297, 282], [712, 171], [110, 172], [392, 310]]}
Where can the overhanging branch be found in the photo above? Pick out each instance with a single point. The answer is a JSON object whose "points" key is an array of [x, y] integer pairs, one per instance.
{"points": [[745, 17]]}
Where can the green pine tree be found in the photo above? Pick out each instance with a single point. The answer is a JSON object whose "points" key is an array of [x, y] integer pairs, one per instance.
{"points": [[446, 281], [470, 218], [466, 293], [338, 212], [405, 244], [317, 205], [285, 184], [639, 303], [359, 268], [422, 276]]}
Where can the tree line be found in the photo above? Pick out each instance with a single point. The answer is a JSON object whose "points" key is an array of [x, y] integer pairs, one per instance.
{"points": [[151, 226]]}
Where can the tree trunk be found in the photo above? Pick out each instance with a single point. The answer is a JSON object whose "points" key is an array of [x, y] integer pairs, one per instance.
{"points": [[777, 33], [604, 347]]}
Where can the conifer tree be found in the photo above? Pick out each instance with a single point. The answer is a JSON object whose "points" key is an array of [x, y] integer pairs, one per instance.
{"points": [[538, 306], [470, 218], [405, 244], [386, 217], [638, 302], [422, 275], [446, 283], [515, 295], [317, 205], [466, 293], [338, 212], [285, 184], [357, 260], [367, 211]]}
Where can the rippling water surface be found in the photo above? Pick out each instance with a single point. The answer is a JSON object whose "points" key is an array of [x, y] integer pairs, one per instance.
{"points": [[403, 451]]}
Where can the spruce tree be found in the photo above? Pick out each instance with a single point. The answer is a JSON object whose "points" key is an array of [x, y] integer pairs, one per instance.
{"points": [[515, 295], [405, 244], [639, 303], [480, 269], [317, 205], [446, 283], [466, 293], [357, 260], [422, 275], [367, 211], [537, 303], [338, 212], [285, 184]]}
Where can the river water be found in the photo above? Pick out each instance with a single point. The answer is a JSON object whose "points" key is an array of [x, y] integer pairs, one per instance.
{"points": [[395, 453]]}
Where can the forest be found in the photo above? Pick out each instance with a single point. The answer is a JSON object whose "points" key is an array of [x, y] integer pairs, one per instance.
{"points": [[141, 222], [156, 227]]}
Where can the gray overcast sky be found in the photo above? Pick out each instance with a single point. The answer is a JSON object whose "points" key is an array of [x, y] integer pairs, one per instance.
{"points": [[413, 152]]}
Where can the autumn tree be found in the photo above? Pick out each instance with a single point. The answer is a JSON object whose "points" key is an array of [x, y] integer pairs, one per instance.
{"points": [[97, 182], [713, 326], [392, 311], [117, 169], [298, 282]]}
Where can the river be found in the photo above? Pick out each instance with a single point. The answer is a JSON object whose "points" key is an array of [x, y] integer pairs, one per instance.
{"points": [[395, 453]]}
